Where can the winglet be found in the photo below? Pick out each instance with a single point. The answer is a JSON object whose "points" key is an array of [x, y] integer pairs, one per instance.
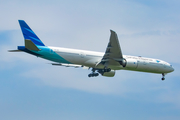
{"points": [[29, 34]]}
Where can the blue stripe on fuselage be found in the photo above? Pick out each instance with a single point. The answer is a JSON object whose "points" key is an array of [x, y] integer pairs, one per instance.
{"points": [[46, 53]]}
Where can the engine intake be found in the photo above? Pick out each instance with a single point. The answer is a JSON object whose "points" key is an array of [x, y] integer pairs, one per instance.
{"points": [[123, 62]]}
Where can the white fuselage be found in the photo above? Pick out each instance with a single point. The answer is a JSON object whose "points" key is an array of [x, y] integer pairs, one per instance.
{"points": [[91, 59]]}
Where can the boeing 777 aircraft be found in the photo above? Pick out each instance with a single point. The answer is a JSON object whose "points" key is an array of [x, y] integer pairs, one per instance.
{"points": [[101, 63]]}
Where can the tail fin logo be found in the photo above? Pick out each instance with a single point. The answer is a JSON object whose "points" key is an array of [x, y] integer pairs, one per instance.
{"points": [[29, 34]]}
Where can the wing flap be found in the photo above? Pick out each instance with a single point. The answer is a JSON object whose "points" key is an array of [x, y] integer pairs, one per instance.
{"points": [[68, 65]]}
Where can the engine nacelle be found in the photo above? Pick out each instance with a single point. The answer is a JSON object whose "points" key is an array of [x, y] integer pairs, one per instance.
{"points": [[123, 62], [109, 74], [131, 63]]}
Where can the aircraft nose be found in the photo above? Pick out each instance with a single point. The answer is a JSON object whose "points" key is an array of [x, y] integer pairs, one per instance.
{"points": [[172, 69]]}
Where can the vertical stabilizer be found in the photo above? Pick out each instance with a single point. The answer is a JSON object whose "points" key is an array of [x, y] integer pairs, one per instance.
{"points": [[29, 34]]}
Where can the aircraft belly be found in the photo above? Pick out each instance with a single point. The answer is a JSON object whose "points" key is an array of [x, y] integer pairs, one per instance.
{"points": [[145, 66], [92, 62]]}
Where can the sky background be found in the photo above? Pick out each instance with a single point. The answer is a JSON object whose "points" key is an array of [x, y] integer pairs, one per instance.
{"points": [[32, 89]]}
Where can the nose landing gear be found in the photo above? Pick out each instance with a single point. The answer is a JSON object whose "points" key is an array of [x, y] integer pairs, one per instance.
{"points": [[163, 76]]}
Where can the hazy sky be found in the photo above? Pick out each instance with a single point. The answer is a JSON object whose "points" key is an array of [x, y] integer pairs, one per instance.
{"points": [[32, 89]]}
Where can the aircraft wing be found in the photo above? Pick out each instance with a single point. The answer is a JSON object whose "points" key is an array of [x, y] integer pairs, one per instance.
{"points": [[70, 65], [113, 54]]}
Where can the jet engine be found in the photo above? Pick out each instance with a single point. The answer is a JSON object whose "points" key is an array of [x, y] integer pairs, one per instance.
{"points": [[131, 63], [109, 74], [123, 62]]}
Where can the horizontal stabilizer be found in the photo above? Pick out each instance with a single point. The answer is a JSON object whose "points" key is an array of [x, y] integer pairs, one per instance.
{"points": [[30, 45], [14, 51]]}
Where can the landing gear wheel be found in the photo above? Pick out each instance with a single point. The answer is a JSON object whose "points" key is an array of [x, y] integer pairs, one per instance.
{"points": [[90, 75], [163, 76], [96, 74], [93, 74]]}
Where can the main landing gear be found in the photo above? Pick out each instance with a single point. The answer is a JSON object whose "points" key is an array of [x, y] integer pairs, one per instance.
{"points": [[93, 74], [101, 71], [163, 76]]}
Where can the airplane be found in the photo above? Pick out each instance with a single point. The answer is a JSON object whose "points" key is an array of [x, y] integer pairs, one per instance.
{"points": [[100, 63]]}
